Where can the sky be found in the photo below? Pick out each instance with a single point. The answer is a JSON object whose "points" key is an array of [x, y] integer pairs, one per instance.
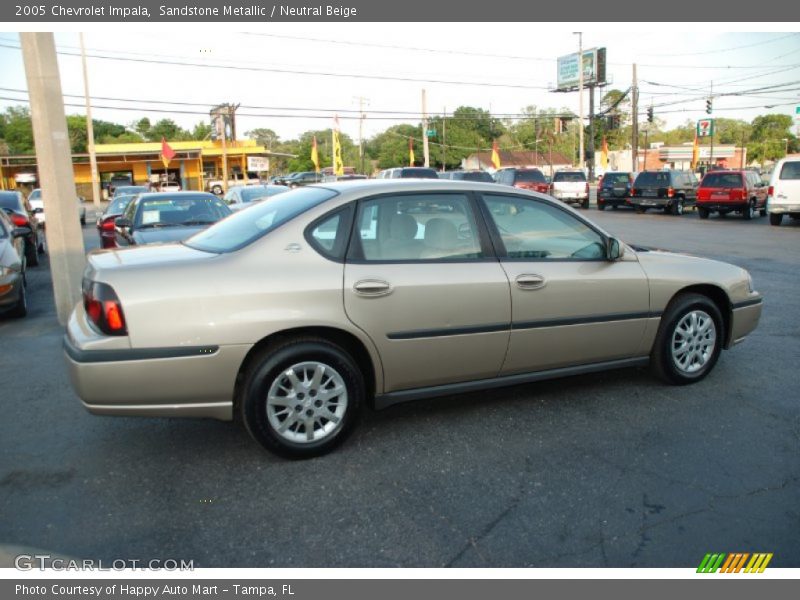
{"points": [[293, 77]]}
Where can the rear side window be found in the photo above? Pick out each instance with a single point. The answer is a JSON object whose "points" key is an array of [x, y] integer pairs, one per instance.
{"points": [[569, 176], [723, 180], [329, 234], [790, 170]]}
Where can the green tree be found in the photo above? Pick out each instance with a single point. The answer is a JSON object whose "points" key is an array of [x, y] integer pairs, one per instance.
{"points": [[17, 131], [263, 137], [201, 131], [390, 147]]}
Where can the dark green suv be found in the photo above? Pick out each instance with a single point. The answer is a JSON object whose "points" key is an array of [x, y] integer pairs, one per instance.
{"points": [[670, 190]]}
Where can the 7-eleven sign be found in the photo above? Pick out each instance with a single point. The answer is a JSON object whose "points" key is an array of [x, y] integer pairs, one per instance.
{"points": [[705, 127]]}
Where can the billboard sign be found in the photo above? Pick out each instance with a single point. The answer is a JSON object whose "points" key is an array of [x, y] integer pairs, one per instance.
{"points": [[594, 69], [258, 164]]}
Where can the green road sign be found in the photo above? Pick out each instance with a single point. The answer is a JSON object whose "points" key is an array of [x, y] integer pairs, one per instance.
{"points": [[705, 127], [430, 132]]}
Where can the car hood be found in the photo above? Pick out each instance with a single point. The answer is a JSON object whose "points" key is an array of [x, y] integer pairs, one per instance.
{"points": [[165, 234]]}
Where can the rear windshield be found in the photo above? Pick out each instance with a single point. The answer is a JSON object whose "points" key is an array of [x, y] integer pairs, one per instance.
{"points": [[424, 173], [246, 226], [474, 176], [572, 176], [652, 178], [160, 210], [531, 176], [722, 180], [10, 201], [616, 178], [790, 170]]}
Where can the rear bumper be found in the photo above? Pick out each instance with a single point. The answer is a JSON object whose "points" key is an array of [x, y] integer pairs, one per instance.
{"points": [[783, 209], [721, 205], [649, 202], [154, 382]]}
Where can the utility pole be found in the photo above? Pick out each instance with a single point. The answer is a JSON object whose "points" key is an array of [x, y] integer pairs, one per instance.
{"points": [[224, 156], [635, 122], [591, 132], [425, 149], [444, 139], [580, 98], [362, 116], [711, 157], [90, 131], [54, 160], [644, 166]]}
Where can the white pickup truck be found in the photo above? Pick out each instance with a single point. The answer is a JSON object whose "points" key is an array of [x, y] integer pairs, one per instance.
{"points": [[570, 187], [215, 185]]}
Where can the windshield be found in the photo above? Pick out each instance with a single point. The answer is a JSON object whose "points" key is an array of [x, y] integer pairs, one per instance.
{"points": [[722, 180], [570, 176], [129, 189], [475, 176], [652, 178], [166, 210], [246, 226], [616, 178]]}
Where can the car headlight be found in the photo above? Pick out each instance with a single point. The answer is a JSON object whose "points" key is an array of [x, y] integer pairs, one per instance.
{"points": [[4, 271]]}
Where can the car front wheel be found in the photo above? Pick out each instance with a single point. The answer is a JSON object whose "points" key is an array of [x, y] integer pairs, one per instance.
{"points": [[689, 340], [302, 398]]}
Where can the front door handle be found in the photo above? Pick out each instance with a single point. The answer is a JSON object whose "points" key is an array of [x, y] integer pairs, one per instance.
{"points": [[372, 287], [530, 281]]}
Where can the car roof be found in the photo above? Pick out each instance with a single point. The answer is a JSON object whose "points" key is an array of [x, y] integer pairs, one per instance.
{"points": [[413, 184], [183, 194]]}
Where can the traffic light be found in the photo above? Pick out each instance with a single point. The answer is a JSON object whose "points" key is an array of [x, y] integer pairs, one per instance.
{"points": [[709, 106], [650, 115]]}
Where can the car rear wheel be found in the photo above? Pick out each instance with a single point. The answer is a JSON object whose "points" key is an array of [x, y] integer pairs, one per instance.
{"points": [[762, 212], [775, 219], [302, 398], [702, 212], [585, 203], [677, 207], [31, 254], [601, 206], [640, 210], [749, 211], [689, 340]]}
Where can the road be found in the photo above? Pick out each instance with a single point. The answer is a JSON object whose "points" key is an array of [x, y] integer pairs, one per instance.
{"points": [[613, 469]]}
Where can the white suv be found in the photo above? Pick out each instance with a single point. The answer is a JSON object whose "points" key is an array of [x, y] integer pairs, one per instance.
{"points": [[784, 190]]}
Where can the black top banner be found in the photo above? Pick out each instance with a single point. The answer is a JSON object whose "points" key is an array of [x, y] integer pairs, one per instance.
{"points": [[155, 11]]}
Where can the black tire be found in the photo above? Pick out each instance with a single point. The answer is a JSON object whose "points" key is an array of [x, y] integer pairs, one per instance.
{"points": [[640, 210], [83, 221], [702, 212], [662, 362], [585, 204], [775, 219], [749, 211], [601, 206], [21, 307], [267, 371], [677, 207], [31, 254]]}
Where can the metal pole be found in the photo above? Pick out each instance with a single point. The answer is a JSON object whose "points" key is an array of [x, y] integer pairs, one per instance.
{"points": [[711, 157], [54, 158], [425, 149], [224, 158], [580, 99], [444, 140], [591, 132], [90, 130], [644, 166], [635, 122]]}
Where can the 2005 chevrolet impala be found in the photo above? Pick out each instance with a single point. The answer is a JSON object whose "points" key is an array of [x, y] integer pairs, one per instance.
{"points": [[305, 307]]}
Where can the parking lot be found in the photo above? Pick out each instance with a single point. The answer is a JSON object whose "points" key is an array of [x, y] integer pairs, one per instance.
{"points": [[612, 469]]}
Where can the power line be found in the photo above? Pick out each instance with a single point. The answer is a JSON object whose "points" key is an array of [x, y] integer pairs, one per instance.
{"points": [[732, 48]]}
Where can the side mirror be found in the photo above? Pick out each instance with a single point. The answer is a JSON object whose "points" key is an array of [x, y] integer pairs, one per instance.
{"points": [[19, 232], [38, 210], [614, 249], [122, 223]]}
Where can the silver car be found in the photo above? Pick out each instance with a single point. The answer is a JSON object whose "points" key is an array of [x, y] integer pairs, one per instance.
{"points": [[298, 311], [13, 299]]}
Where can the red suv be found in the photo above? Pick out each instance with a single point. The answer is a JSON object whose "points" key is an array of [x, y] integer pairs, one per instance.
{"points": [[526, 179], [732, 191]]}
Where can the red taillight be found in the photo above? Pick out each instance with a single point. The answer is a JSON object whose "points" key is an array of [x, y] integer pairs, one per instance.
{"points": [[103, 308], [670, 192], [770, 190], [19, 220], [107, 224]]}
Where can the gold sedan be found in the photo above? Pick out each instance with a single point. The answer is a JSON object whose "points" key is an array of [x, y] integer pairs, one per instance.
{"points": [[301, 309]]}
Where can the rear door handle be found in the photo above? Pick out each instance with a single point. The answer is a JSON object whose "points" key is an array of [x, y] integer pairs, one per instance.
{"points": [[372, 287], [530, 281]]}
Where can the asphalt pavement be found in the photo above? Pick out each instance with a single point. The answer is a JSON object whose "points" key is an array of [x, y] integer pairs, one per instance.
{"points": [[612, 469]]}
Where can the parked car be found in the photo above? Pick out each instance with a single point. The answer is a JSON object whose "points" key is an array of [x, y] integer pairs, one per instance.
{"points": [[167, 217], [20, 213], [408, 172], [345, 177], [299, 310], [570, 187], [36, 203], [239, 197], [473, 175], [672, 191], [524, 179], [739, 191], [106, 221], [129, 190], [214, 185], [614, 189], [13, 300], [784, 191], [302, 178]]}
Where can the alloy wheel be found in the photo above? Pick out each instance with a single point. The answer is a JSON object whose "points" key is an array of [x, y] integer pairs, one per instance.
{"points": [[693, 341]]}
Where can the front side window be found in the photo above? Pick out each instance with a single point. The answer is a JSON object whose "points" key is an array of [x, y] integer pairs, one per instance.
{"points": [[534, 230], [417, 227]]}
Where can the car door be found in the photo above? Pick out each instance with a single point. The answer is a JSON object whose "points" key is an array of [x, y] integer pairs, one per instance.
{"points": [[570, 306], [421, 281]]}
